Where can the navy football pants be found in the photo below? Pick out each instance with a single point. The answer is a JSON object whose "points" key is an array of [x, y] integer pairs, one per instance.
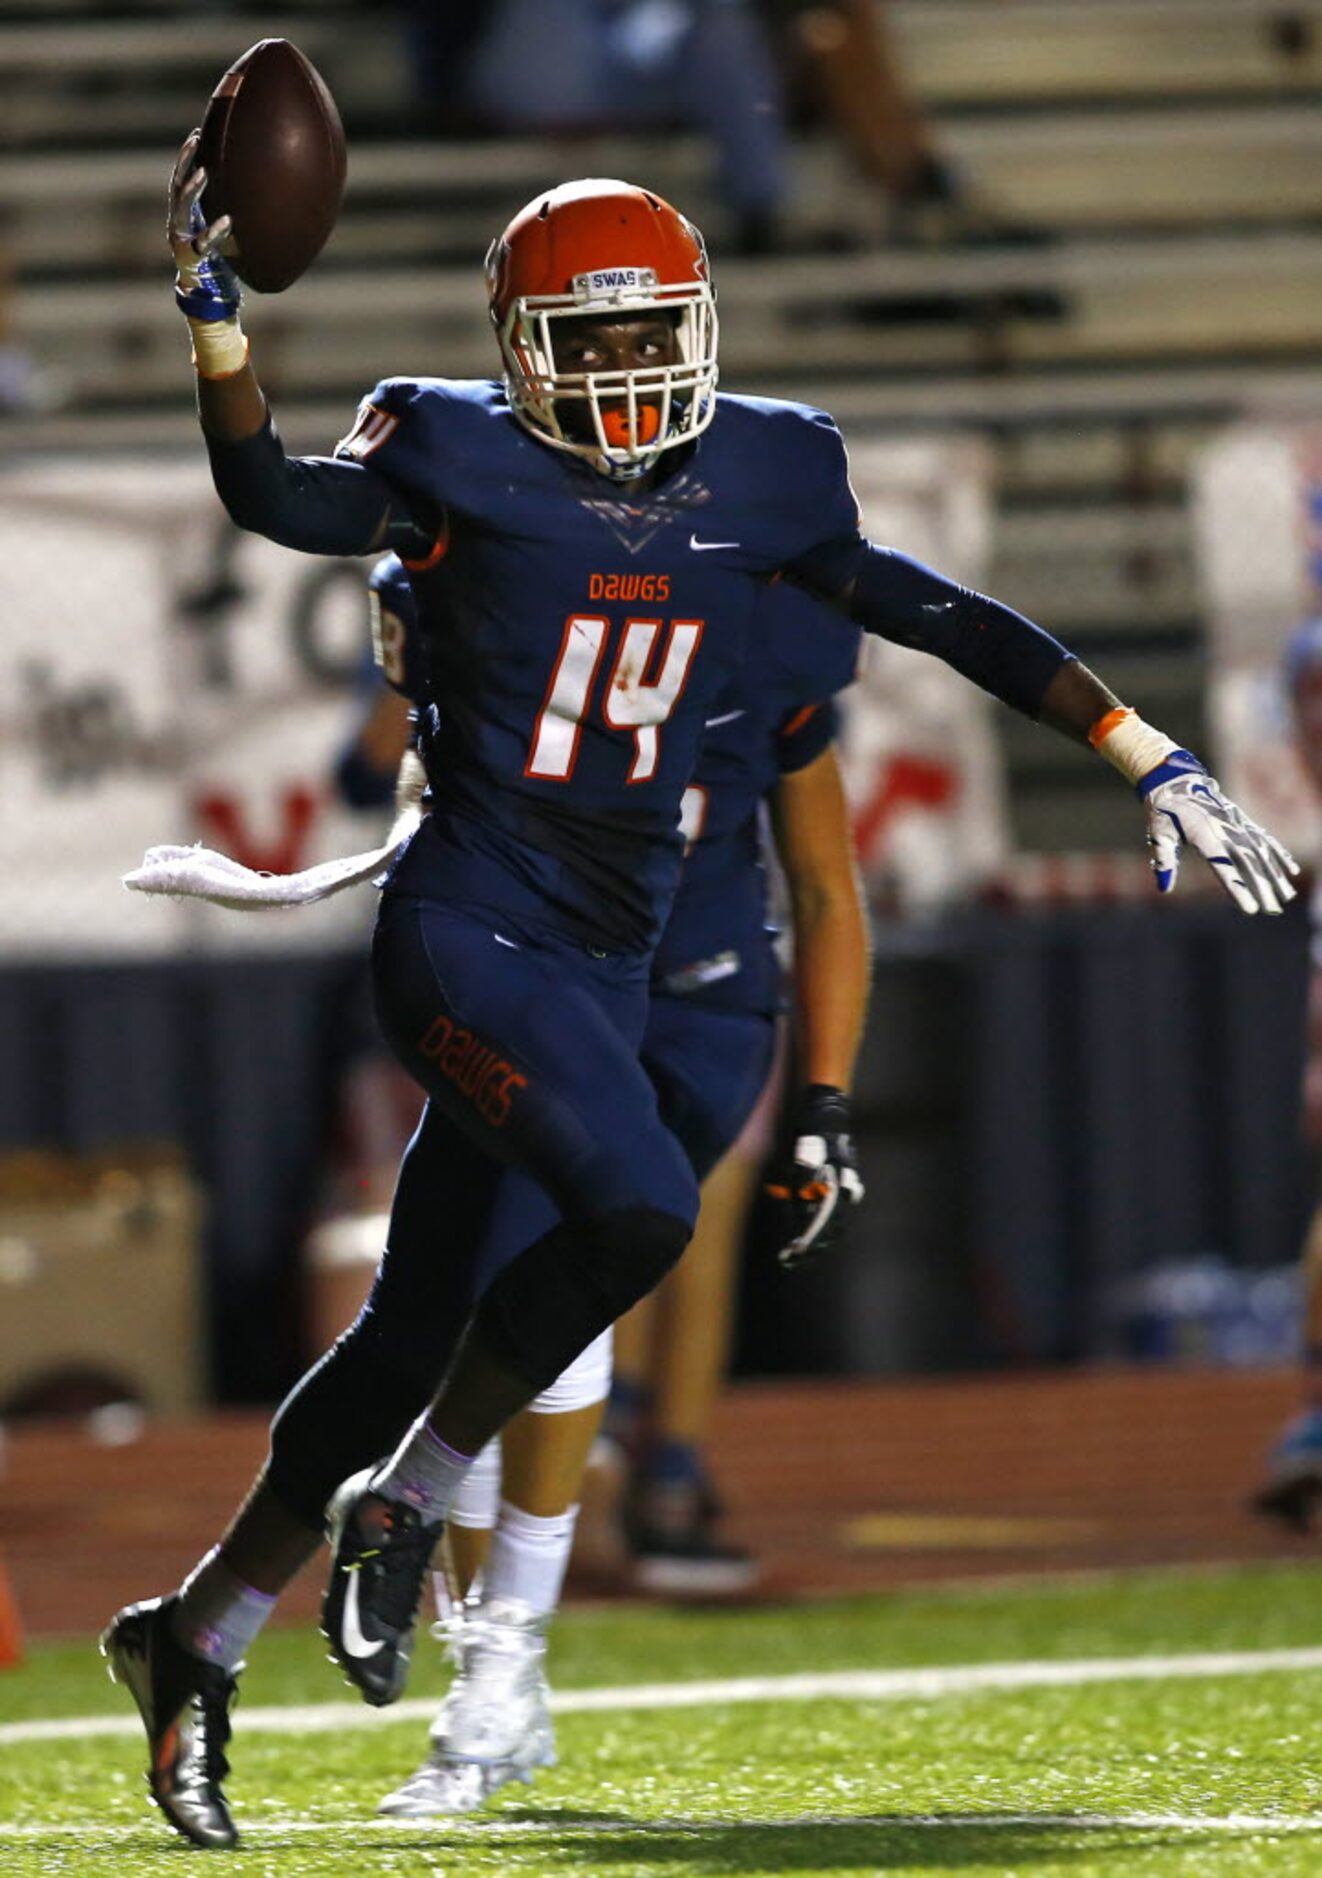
{"points": [[528, 1044], [539, 1110], [708, 1068]]}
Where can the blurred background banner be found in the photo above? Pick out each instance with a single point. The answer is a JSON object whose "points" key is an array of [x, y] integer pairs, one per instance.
{"points": [[165, 679], [93, 752], [1257, 513], [923, 768], [171, 679]]}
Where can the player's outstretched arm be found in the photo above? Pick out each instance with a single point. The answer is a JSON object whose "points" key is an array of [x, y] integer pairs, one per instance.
{"points": [[832, 967], [899, 599], [317, 504]]}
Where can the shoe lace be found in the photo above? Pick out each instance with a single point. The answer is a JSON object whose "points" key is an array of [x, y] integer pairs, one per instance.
{"points": [[449, 1632], [402, 1560], [213, 1702], [496, 1658]]}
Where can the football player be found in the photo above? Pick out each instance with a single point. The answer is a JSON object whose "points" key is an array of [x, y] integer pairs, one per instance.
{"points": [[706, 1050], [587, 540]]}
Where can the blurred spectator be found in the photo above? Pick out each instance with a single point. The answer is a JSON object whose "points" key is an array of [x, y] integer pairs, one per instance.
{"points": [[574, 66], [24, 385], [848, 53], [1292, 1491], [620, 65]]}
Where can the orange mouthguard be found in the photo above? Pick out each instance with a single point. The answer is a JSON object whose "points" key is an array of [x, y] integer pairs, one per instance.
{"points": [[615, 424]]}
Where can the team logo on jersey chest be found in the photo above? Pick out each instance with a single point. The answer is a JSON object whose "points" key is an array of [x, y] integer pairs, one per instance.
{"points": [[635, 524]]}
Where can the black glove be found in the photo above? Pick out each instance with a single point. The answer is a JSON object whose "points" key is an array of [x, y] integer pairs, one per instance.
{"points": [[818, 1183]]}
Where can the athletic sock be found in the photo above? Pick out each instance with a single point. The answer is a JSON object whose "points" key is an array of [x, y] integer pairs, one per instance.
{"points": [[424, 1472], [218, 1615], [528, 1558]]}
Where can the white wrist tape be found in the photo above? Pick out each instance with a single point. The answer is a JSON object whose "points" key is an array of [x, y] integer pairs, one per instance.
{"points": [[219, 347], [1132, 746], [410, 783]]}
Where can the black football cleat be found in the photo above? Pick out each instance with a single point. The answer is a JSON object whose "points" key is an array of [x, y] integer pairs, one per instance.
{"points": [[381, 1553], [671, 1529], [1293, 1502], [184, 1703], [1292, 1491]]}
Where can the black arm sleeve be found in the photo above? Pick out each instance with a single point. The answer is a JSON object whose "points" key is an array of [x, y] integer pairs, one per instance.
{"points": [[902, 600], [324, 505]]}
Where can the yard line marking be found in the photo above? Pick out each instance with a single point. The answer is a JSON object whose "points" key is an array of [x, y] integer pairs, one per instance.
{"points": [[478, 1827], [855, 1685]]}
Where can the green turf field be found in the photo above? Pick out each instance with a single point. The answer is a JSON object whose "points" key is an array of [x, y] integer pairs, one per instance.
{"points": [[1208, 1773]]}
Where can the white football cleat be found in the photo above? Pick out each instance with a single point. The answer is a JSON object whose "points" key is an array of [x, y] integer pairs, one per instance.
{"points": [[494, 1725], [443, 1788]]}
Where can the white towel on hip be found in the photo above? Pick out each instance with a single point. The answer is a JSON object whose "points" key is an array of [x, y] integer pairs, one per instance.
{"points": [[198, 873]]}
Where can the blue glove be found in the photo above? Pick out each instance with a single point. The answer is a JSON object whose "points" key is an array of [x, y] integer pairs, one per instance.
{"points": [[206, 286], [1185, 804]]}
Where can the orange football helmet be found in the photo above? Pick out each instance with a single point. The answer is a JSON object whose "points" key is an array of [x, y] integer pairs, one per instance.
{"points": [[605, 248]]}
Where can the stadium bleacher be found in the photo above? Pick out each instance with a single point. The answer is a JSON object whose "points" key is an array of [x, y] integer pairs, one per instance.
{"points": [[1164, 152]]}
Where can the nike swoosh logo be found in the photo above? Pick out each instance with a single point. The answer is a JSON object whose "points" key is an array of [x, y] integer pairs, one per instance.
{"points": [[705, 547], [729, 717], [354, 1640]]}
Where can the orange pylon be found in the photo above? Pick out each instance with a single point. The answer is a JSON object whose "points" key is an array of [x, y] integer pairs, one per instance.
{"points": [[11, 1630]]}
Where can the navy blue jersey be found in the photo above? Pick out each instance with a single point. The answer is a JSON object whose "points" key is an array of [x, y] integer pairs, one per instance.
{"points": [[580, 632], [578, 639], [775, 717]]}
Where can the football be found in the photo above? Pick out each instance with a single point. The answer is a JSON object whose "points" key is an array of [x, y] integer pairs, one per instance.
{"points": [[273, 148]]}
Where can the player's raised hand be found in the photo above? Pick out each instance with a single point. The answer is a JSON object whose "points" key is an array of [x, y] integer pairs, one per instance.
{"points": [[818, 1184], [1186, 805], [206, 287]]}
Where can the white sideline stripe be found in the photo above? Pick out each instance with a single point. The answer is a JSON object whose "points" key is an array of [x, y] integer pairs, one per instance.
{"points": [[474, 1827], [856, 1685]]}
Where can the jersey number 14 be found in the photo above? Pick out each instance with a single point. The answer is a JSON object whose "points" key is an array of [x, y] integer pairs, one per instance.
{"points": [[636, 697]]}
